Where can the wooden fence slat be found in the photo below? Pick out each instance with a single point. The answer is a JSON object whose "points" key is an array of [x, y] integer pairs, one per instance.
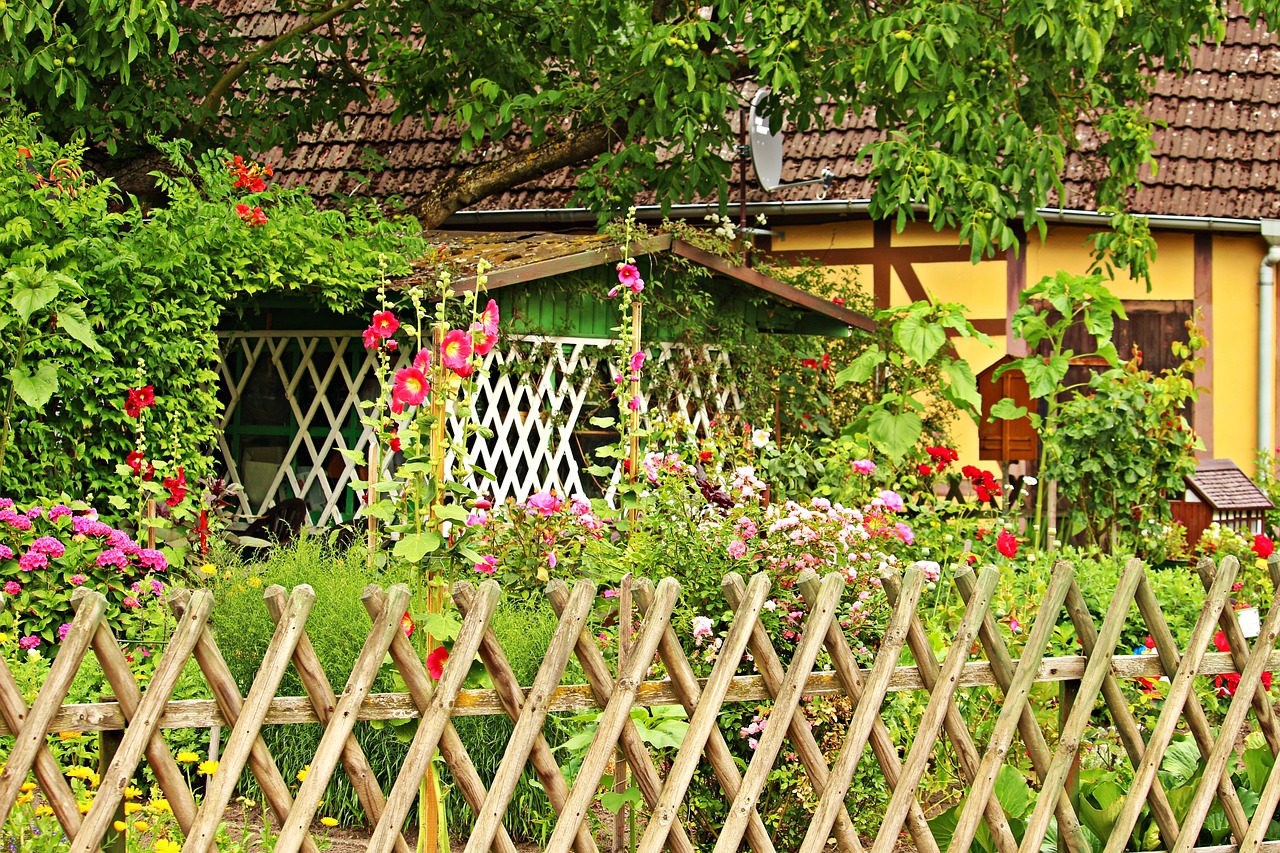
{"points": [[831, 802], [615, 723], [1015, 703], [704, 717], [941, 701], [769, 665], [248, 727], [1082, 710], [419, 685], [1118, 704], [1003, 668], [306, 663], [339, 730], [138, 735], [226, 694], [48, 774], [1192, 711], [1180, 687], [27, 744], [528, 726], [172, 781], [1224, 749], [434, 720], [1230, 626], [689, 691], [882, 746]]}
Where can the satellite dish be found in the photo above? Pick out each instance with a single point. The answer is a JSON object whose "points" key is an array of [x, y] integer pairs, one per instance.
{"points": [[766, 146]]}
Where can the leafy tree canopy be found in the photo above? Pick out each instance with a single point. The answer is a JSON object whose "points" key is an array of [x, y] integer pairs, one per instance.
{"points": [[979, 101]]}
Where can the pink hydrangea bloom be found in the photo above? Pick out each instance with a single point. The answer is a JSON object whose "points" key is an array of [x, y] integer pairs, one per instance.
{"points": [[49, 546], [131, 602], [153, 559], [32, 560], [63, 630], [737, 549], [78, 580], [28, 643], [6, 553], [113, 557], [12, 588], [59, 511]]}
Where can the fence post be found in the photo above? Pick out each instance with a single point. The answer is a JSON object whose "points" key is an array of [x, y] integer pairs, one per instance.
{"points": [[1066, 701], [108, 743]]}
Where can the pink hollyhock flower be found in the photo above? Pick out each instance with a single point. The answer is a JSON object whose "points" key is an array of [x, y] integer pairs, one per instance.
{"points": [[63, 630], [1015, 626], [864, 466], [392, 345], [634, 404], [1263, 546], [1007, 544], [411, 386], [139, 399], [384, 324], [397, 408], [12, 588], [482, 341], [455, 352], [482, 503], [544, 504], [28, 643], [629, 277], [435, 663], [489, 318], [637, 362], [406, 624], [32, 560], [476, 518], [78, 580], [422, 360], [50, 546], [892, 501], [737, 549], [487, 565], [371, 338]]}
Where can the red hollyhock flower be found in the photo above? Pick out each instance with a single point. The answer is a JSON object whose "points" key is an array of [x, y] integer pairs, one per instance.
{"points": [[394, 442], [411, 386], [481, 340], [139, 399], [705, 456], [177, 487], [1263, 546], [455, 352], [811, 363], [435, 663], [384, 324], [1007, 544], [371, 338], [134, 460], [406, 624]]}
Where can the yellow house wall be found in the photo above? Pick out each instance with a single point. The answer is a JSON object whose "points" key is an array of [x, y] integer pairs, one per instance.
{"points": [[1233, 331]]}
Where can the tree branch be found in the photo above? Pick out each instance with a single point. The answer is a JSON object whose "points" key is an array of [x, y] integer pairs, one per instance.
{"points": [[213, 100], [486, 179]]}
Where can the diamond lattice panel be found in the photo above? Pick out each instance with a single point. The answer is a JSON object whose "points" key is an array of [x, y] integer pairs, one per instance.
{"points": [[537, 399]]}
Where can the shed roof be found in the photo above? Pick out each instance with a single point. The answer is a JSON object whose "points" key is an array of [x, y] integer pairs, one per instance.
{"points": [[1218, 155], [1221, 484], [516, 258]]}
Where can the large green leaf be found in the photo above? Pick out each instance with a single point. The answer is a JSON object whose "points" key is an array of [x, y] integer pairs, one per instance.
{"points": [[36, 388], [1044, 374], [894, 434], [413, 547], [1006, 409], [73, 321], [861, 368], [919, 339], [964, 385], [33, 289], [1181, 762], [1012, 792]]}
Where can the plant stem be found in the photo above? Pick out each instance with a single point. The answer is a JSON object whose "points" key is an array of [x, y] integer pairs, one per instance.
{"points": [[11, 398]]}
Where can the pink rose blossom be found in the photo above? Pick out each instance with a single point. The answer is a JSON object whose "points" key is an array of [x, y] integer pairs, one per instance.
{"points": [[904, 532], [737, 549], [701, 628], [487, 565], [864, 466], [892, 501], [544, 504]]}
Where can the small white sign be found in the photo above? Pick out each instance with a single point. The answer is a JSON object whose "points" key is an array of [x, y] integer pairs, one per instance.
{"points": [[1250, 622]]}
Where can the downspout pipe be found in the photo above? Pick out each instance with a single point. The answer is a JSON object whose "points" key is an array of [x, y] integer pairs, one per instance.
{"points": [[1266, 335]]}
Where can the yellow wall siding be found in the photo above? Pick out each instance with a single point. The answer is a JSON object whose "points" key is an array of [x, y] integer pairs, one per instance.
{"points": [[1234, 335], [1066, 247]]}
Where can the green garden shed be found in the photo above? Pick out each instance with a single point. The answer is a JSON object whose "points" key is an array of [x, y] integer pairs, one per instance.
{"points": [[292, 376]]}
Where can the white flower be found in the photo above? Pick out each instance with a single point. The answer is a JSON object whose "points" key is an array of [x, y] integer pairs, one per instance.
{"points": [[760, 438]]}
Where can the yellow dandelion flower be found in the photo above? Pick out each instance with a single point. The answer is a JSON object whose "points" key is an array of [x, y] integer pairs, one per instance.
{"points": [[83, 807], [329, 821], [130, 808], [208, 768], [70, 735], [209, 569], [161, 806], [28, 787], [141, 825], [43, 811], [302, 774], [23, 799], [186, 756], [132, 793], [119, 826], [164, 845]]}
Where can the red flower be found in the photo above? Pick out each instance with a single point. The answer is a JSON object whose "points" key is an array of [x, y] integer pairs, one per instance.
{"points": [[489, 318], [139, 399], [406, 624], [943, 455], [925, 470], [384, 324], [455, 352], [826, 361], [1007, 544], [1263, 546], [371, 338], [394, 443], [838, 300], [134, 460], [177, 487], [435, 663], [411, 386], [810, 363], [251, 216], [482, 340], [705, 456]]}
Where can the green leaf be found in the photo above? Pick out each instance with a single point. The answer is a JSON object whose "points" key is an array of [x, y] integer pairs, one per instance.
{"points": [[614, 800], [918, 339], [413, 547], [33, 290], [602, 422], [73, 321], [35, 389], [1181, 762], [861, 368], [439, 626], [453, 512], [894, 434], [964, 385], [1007, 410], [1012, 792], [1045, 374]]}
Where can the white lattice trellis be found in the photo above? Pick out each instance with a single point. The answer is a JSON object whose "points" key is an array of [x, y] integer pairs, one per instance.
{"points": [[536, 399]]}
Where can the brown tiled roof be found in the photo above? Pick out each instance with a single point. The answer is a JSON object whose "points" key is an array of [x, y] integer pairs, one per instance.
{"points": [[1218, 156], [1221, 484]]}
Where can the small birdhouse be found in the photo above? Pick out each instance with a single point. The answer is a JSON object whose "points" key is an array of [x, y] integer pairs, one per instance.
{"points": [[1219, 491]]}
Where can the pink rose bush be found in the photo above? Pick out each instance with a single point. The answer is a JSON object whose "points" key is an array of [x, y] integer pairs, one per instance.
{"points": [[49, 549]]}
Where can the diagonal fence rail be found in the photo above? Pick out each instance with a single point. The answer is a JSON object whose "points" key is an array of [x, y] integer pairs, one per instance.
{"points": [[976, 655]]}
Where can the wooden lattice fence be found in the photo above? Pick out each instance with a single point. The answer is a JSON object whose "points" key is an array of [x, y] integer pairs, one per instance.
{"points": [[1097, 672]]}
